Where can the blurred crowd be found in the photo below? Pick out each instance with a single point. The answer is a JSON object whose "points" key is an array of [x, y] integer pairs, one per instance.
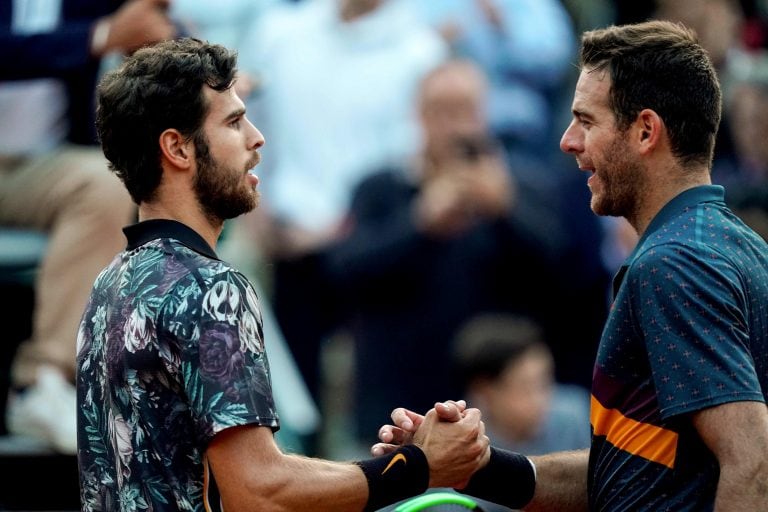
{"points": [[414, 201]]}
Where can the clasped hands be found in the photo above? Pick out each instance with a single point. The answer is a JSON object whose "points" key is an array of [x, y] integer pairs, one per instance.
{"points": [[450, 435]]}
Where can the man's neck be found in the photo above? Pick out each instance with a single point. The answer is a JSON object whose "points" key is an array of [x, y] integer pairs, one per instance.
{"points": [[192, 218], [665, 188]]}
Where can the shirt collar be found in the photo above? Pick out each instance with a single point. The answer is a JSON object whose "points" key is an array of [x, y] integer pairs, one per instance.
{"points": [[148, 230], [686, 199]]}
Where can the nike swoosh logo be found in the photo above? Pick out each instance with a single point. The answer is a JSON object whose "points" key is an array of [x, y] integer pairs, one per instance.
{"points": [[395, 459]]}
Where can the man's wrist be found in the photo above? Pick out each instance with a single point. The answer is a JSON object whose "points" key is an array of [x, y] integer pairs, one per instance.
{"points": [[508, 479], [395, 476]]}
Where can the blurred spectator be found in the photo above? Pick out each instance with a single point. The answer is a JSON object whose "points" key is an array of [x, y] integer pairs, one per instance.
{"points": [[507, 371], [719, 25], [756, 24], [591, 14], [430, 245], [633, 11], [747, 106], [225, 22], [66, 40], [50, 184], [525, 47], [337, 80]]}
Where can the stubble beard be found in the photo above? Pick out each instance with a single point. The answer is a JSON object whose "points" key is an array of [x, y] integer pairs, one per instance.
{"points": [[622, 183]]}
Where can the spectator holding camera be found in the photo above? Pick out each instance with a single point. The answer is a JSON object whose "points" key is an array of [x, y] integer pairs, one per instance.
{"points": [[427, 248]]}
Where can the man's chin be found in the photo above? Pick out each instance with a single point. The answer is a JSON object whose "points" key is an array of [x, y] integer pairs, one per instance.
{"points": [[241, 208], [596, 206], [255, 199], [605, 210]]}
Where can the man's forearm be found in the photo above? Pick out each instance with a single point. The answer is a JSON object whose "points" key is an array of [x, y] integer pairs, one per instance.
{"points": [[561, 482], [740, 489]]}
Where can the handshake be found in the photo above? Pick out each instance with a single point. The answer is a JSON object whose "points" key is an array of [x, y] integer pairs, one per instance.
{"points": [[451, 436], [458, 454]]}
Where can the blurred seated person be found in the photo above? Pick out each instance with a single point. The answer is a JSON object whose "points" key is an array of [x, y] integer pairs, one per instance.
{"points": [[507, 370], [525, 47], [54, 179], [747, 106], [719, 26], [229, 23], [433, 243], [336, 81]]}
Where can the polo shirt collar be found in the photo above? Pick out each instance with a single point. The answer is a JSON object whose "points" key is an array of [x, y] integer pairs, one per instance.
{"points": [[148, 230], [686, 199]]}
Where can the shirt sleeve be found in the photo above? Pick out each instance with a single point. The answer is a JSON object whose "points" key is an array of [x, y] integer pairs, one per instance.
{"points": [[225, 370], [691, 310]]}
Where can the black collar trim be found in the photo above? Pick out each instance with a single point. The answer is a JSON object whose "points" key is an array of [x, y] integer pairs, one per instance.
{"points": [[148, 230]]}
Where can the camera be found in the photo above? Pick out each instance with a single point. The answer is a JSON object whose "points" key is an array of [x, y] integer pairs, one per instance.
{"points": [[472, 148]]}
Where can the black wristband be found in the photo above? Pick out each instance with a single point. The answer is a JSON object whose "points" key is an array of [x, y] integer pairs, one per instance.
{"points": [[396, 476], [508, 479]]}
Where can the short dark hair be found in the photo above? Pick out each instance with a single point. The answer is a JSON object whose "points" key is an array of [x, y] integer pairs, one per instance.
{"points": [[157, 88], [487, 343], [661, 66]]}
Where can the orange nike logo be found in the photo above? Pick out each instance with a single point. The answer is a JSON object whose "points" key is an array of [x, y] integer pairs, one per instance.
{"points": [[396, 458]]}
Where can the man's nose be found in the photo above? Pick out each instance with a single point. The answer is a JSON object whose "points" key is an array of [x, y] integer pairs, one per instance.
{"points": [[571, 141], [257, 139]]}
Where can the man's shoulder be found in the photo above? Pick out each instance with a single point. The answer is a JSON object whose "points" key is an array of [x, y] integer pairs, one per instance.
{"points": [[170, 263], [696, 230], [714, 236]]}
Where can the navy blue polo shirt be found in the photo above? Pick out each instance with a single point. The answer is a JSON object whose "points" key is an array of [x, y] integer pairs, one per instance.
{"points": [[688, 330]]}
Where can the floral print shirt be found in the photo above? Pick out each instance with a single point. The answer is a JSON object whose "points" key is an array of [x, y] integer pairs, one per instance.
{"points": [[170, 352]]}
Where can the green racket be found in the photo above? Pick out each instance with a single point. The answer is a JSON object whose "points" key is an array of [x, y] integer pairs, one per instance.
{"points": [[438, 499]]}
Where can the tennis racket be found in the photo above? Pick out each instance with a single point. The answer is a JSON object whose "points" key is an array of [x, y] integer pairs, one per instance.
{"points": [[442, 501]]}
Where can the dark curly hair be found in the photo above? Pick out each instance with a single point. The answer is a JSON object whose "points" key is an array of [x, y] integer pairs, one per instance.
{"points": [[157, 88]]}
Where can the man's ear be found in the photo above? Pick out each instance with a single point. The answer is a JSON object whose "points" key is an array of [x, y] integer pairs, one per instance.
{"points": [[176, 149], [649, 129]]}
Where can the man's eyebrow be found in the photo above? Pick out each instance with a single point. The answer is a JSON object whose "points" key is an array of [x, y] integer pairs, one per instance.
{"points": [[580, 114], [235, 114]]}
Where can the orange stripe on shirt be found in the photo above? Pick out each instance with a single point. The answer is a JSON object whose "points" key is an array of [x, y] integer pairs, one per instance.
{"points": [[642, 439]]}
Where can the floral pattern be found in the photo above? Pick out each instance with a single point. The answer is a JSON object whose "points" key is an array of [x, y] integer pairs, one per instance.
{"points": [[170, 352]]}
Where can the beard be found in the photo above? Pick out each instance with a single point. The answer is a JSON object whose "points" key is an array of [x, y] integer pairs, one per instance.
{"points": [[622, 183], [222, 191]]}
